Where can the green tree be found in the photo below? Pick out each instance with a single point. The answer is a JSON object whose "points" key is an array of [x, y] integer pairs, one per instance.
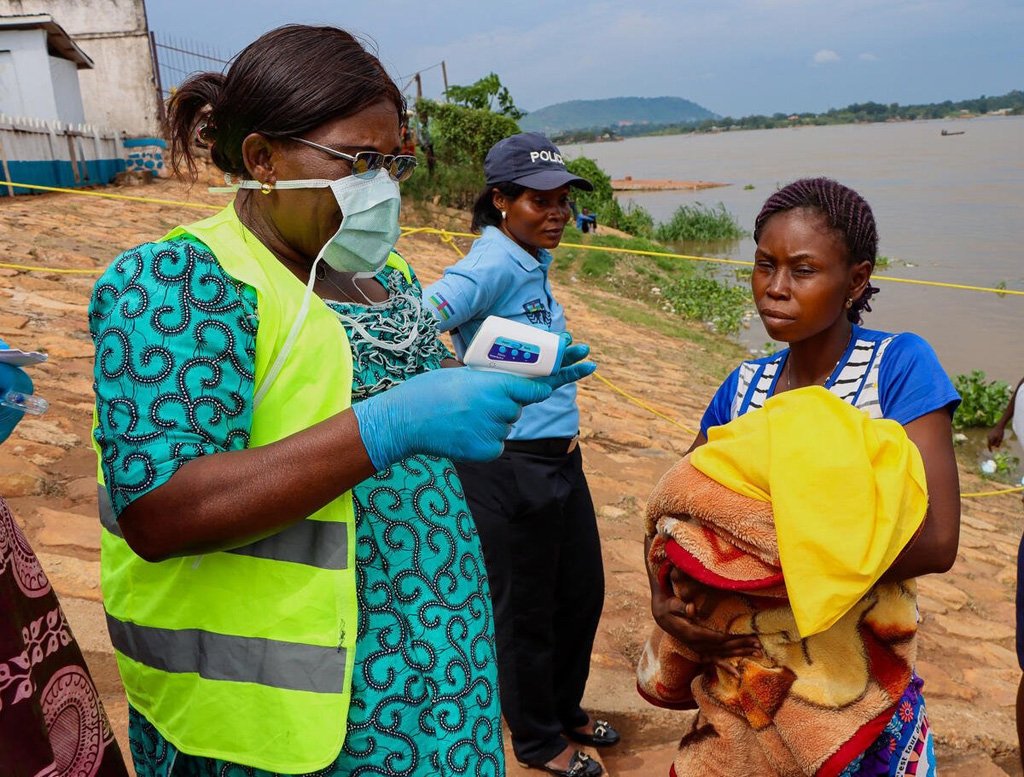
{"points": [[454, 139], [482, 94], [585, 167], [461, 135]]}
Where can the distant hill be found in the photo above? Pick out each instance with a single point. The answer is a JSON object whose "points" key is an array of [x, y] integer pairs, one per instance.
{"points": [[613, 113]]}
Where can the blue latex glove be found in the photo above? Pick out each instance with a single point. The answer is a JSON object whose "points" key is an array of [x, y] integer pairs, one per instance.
{"points": [[17, 379], [460, 414]]}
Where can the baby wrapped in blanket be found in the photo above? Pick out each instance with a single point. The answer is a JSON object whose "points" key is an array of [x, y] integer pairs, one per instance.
{"points": [[792, 513]]}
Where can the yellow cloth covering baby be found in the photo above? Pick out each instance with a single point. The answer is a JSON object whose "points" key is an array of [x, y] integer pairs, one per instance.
{"points": [[793, 512]]}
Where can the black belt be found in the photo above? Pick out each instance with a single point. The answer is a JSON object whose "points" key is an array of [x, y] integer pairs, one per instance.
{"points": [[546, 446]]}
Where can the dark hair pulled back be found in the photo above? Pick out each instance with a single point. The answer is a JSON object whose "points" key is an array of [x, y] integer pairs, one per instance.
{"points": [[844, 210], [284, 84], [485, 214]]}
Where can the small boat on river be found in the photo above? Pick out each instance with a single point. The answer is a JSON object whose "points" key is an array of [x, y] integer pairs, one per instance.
{"points": [[946, 133]]}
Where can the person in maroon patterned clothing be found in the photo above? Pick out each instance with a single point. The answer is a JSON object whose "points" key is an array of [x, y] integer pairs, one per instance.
{"points": [[52, 723]]}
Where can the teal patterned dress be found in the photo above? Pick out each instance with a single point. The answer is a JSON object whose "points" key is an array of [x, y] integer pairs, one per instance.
{"points": [[175, 343]]}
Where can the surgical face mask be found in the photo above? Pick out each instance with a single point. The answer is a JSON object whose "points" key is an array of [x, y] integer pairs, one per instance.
{"points": [[369, 230], [369, 220]]}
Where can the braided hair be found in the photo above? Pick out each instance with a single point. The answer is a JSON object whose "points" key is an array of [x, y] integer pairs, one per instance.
{"points": [[844, 210]]}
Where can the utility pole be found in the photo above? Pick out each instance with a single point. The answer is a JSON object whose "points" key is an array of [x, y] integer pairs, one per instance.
{"points": [[419, 87], [444, 75]]}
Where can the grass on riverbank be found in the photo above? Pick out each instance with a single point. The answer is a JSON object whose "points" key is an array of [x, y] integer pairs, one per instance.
{"points": [[670, 289], [699, 223]]}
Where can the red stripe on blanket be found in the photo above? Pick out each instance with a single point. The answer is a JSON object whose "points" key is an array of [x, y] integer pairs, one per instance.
{"points": [[689, 704], [687, 562], [856, 745]]}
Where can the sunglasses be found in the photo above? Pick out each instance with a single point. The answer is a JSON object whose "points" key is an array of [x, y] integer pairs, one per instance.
{"points": [[365, 164]]}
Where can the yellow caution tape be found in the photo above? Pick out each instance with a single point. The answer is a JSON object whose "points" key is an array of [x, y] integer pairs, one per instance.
{"points": [[64, 270], [448, 237], [718, 260], [998, 492], [644, 405], [88, 193]]}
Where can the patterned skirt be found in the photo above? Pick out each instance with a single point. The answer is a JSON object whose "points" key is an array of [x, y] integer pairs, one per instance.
{"points": [[905, 747]]}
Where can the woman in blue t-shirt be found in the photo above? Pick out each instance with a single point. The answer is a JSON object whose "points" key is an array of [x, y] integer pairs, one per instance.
{"points": [[816, 246]]}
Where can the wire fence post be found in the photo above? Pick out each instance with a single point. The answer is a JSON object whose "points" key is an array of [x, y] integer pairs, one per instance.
{"points": [[175, 60], [156, 75]]}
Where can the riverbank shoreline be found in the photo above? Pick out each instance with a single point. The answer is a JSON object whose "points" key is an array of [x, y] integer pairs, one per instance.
{"points": [[629, 184]]}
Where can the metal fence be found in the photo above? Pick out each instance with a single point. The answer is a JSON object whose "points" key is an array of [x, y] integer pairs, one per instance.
{"points": [[175, 59]]}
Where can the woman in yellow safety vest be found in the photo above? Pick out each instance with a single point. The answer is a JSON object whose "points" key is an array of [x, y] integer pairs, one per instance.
{"points": [[290, 572]]}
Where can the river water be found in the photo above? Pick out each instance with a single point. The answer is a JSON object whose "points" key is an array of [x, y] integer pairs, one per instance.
{"points": [[948, 209]]}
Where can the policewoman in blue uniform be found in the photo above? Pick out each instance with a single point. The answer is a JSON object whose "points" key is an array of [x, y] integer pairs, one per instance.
{"points": [[532, 506]]}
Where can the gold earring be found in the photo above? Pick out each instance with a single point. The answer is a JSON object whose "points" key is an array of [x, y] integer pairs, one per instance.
{"points": [[849, 302], [267, 188]]}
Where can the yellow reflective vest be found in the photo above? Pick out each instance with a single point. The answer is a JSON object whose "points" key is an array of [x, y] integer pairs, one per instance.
{"points": [[246, 655]]}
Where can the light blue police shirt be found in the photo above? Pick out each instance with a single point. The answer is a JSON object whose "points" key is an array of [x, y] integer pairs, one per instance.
{"points": [[498, 278]]}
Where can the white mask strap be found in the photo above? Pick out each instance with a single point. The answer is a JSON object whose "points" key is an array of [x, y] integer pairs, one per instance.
{"points": [[301, 183], [289, 342]]}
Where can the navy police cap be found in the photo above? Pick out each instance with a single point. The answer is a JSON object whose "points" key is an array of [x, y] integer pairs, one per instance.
{"points": [[531, 160]]}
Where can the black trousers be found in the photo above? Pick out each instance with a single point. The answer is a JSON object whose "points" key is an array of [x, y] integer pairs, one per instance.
{"points": [[539, 534]]}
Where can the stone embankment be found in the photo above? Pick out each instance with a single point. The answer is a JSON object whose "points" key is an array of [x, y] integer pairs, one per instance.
{"points": [[47, 473]]}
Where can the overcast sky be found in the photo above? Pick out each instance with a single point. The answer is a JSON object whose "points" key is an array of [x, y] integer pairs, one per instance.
{"points": [[734, 57]]}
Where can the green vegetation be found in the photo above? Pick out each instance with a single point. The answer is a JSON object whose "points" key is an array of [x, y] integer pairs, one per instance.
{"points": [[455, 186], [454, 139], [690, 223], [670, 288], [699, 223], [703, 297], [633, 218], [983, 400], [1011, 103], [460, 135], [719, 355], [480, 96]]}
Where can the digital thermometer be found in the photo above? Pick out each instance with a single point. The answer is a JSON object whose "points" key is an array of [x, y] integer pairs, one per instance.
{"points": [[503, 345]]}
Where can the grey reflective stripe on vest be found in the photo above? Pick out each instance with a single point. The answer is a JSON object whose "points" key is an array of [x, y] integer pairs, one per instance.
{"points": [[107, 517], [269, 662], [322, 544]]}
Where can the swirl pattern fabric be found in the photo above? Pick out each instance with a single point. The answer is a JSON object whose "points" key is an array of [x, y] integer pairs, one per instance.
{"points": [[176, 339]]}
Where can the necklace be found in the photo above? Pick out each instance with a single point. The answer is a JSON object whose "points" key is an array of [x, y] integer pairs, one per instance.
{"points": [[789, 365]]}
